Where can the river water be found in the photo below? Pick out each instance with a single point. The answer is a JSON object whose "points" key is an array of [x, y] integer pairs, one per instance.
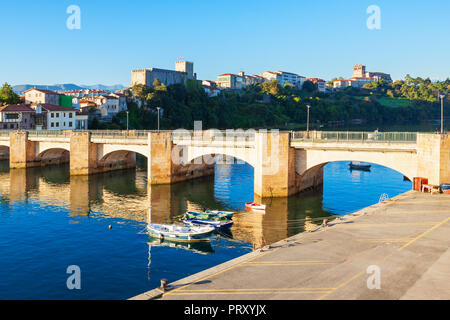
{"points": [[50, 221]]}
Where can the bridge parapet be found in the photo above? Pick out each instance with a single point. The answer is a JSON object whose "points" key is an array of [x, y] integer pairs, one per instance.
{"points": [[355, 137]]}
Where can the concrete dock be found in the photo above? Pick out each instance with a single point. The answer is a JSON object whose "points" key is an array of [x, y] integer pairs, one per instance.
{"points": [[399, 249]]}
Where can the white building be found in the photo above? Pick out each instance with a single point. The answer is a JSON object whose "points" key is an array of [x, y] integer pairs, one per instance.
{"points": [[108, 105], [122, 101], [54, 117], [283, 77]]}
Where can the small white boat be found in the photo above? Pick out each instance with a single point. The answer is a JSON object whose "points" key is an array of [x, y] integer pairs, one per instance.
{"points": [[180, 233], [255, 206]]}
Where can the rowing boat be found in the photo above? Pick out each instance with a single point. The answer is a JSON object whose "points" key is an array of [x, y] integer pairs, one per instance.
{"points": [[180, 233]]}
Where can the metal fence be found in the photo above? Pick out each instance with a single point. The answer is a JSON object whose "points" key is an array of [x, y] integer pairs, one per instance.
{"points": [[342, 136]]}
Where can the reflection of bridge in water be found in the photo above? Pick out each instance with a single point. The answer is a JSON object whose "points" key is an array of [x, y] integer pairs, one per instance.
{"points": [[126, 195]]}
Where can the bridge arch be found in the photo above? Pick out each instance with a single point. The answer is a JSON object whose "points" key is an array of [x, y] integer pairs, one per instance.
{"points": [[53, 156], [4, 152], [193, 155], [119, 159], [406, 164]]}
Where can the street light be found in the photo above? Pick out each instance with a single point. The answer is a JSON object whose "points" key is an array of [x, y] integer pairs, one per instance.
{"points": [[307, 122], [442, 96], [158, 117], [127, 121]]}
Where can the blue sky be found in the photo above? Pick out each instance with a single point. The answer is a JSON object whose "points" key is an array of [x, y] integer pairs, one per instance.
{"points": [[312, 38]]}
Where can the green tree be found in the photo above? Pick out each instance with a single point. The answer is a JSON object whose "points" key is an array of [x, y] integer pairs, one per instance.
{"points": [[8, 96], [309, 86]]}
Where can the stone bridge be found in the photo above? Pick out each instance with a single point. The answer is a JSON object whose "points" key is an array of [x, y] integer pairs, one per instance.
{"points": [[284, 162]]}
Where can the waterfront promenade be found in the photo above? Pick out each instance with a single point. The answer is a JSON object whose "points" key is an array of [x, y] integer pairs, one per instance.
{"points": [[407, 238]]}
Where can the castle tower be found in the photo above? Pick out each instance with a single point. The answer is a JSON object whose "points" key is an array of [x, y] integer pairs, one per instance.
{"points": [[359, 71], [185, 66]]}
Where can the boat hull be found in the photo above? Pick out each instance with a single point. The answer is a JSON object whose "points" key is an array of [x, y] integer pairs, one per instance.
{"points": [[255, 206], [161, 233], [360, 167], [215, 224]]}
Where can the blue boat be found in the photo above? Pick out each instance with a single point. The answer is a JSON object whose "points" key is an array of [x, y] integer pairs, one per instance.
{"points": [[227, 214], [217, 224], [209, 215], [445, 188]]}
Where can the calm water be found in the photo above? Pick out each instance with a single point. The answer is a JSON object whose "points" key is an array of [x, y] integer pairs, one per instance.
{"points": [[49, 221]]}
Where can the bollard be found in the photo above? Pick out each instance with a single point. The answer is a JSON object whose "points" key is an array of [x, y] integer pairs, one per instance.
{"points": [[164, 285]]}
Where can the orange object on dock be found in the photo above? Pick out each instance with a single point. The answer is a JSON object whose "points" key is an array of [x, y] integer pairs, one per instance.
{"points": [[419, 182]]}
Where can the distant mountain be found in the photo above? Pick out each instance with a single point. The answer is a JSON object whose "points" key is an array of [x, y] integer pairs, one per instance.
{"points": [[19, 89], [103, 87]]}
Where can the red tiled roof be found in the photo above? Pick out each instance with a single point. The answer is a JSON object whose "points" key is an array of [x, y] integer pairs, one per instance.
{"points": [[53, 107], [43, 91], [16, 108], [228, 74], [315, 79]]}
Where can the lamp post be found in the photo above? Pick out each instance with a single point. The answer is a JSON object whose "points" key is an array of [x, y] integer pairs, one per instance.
{"points": [[159, 108], [307, 121], [442, 96], [127, 121]]}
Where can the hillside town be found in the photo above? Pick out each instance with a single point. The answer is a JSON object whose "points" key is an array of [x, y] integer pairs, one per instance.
{"points": [[43, 109]]}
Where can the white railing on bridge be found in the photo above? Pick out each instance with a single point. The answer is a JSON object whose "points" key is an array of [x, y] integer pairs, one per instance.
{"points": [[49, 133], [352, 136]]}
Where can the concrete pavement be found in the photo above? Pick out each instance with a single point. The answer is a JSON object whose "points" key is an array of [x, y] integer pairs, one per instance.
{"points": [[407, 239]]}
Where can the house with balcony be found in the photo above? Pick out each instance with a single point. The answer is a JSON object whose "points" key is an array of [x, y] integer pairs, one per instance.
{"points": [[17, 117]]}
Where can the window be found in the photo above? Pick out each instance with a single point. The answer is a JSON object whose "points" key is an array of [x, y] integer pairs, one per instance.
{"points": [[53, 115], [70, 115], [13, 116], [57, 114], [70, 124], [52, 125], [57, 124]]}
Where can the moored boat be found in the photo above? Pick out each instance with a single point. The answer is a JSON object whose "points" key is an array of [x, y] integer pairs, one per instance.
{"points": [[227, 214], [180, 233], [255, 206], [445, 188], [215, 223], [359, 166], [208, 215]]}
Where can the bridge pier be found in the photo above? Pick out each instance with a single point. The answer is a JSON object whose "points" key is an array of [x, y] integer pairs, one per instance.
{"points": [[22, 151], [433, 153], [275, 165], [83, 154], [165, 165]]}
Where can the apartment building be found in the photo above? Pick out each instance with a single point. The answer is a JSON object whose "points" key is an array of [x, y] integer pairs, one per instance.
{"points": [[283, 77], [237, 81]]}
